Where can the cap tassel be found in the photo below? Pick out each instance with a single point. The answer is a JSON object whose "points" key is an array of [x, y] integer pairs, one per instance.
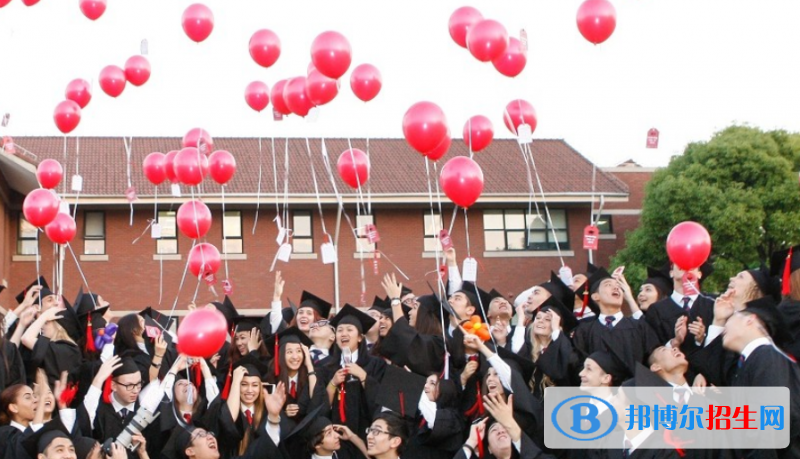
{"points": [[107, 390], [402, 403], [226, 389], [480, 443], [342, 407], [786, 283], [198, 375], [277, 357], [90, 347], [68, 395], [480, 400], [585, 302]]}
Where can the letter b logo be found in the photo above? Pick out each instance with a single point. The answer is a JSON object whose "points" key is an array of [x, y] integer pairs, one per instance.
{"points": [[584, 418]]}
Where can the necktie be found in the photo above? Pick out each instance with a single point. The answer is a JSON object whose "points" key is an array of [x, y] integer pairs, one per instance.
{"points": [[369, 346], [123, 413], [249, 415], [610, 322], [626, 452], [472, 358], [681, 395], [544, 349], [740, 363], [293, 389], [187, 417], [686, 301], [315, 355]]}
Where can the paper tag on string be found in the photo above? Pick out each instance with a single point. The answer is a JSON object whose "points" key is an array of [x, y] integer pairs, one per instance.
{"points": [[143, 48], [63, 207], [313, 115], [6, 118], [690, 284], [77, 183], [442, 272], [227, 287], [470, 270], [372, 233], [565, 273], [8, 145], [284, 252], [375, 263], [210, 279], [618, 271], [523, 40], [176, 190], [328, 253], [276, 115], [590, 237], [152, 332], [130, 193], [444, 238], [155, 231], [202, 146], [524, 134]]}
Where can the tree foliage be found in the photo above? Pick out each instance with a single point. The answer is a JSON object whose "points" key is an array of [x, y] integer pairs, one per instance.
{"points": [[742, 185]]}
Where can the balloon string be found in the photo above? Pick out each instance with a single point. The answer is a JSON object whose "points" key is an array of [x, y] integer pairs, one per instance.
{"points": [[160, 259], [433, 217], [64, 184], [466, 229], [202, 272], [224, 239], [316, 186], [546, 208], [438, 192], [327, 162], [183, 279], [258, 191], [531, 188], [77, 172], [453, 219], [80, 271], [439, 283], [128, 146], [275, 179], [286, 181], [369, 183]]}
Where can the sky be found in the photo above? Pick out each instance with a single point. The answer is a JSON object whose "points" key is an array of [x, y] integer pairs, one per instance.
{"points": [[686, 67]]}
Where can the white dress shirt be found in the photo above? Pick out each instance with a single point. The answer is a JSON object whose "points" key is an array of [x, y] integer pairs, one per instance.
{"points": [[617, 317]]}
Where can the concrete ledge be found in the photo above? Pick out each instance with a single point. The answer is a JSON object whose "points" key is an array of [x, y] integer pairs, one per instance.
{"points": [[608, 236], [304, 256], [432, 255], [365, 256], [26, 258], [175, 257], [528, 254], [94, 257], [233, 256]]}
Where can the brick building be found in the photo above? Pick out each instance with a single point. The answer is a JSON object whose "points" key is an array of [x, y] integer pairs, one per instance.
{"points": [[513, 251]]}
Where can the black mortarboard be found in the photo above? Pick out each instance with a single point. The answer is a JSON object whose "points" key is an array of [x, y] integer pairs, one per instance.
{"points": [[568, 319], [83, 446], [769, 285], [380, 305], [312, 424], [151, 323], [246, 323], [596, 278], [400, 391], [706, 270], [294, 335], [590, 269], [289, 313], [767, 311], [45, 291], [98, 321], [253, 365], [523, 365], [559, 289], [85, 302], [350, 315], [227, 309], [128, 367], [435, 305], [38, 442], [163, 320], [309, 300], [643, 377], [473, 293], [177, 443], [69, 322], [660, 280], [405, 291], [493, 293], [612, 364]]}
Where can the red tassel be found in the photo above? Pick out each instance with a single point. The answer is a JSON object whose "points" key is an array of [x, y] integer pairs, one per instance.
{"points": [[480, 444], [481, 411], [786, 283], [198, 375], [226, 390], [342, 408], [476, 410], [402, 403], [277, 358], [68, 395], [107, 391], [90, 347], [585, 302]]}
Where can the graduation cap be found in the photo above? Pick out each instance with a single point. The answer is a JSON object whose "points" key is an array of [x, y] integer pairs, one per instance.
{"points": [[94, 321], [568, 319], [612, 363], [128, 366], [595, 279], [477, 297], [40, 440], [767, 284], [294, 335], [524, 366], [163, 321], [400, 391], [154, 328], [590, 269], [83, 446], [352, 316], [309, 300], [44, 292], [289, 313], [660, 280], [227, 309], [253, 365], [559, 289], [405, 291], [312, 424], [381, 304], [177, 443], [493, 293], [246, 323], [775, 322], [782, 264], [69, 322]]}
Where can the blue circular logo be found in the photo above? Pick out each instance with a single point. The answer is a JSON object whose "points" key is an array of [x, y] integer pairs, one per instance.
{"points": [[611, 409]]}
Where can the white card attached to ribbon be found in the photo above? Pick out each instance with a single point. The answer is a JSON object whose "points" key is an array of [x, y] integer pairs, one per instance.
{"points": [[77, 183], [155, 231], [470, 270], [565, 273], [524, 134], [328, 253], [284, 252], [176, 190]]}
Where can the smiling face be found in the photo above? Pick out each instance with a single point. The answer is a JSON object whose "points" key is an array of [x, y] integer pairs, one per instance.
{"points": [[432, 387], [648, 294], [294, 356], [60, 448], [330, 442], [380, 443], [182, 390], [542, 324], [537, 297], [384, 325], [608, 295], [499, 441], [322, 334], [492, 381], [241, 340], [202, 445], [743, 284], [347, 336], [594, 376], [304, 318], [249, 390], [499, 308], [48, 402], [669, 360], [129, 394]]}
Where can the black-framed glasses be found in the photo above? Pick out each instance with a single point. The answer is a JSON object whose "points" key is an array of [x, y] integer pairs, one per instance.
{"points": [[410, 301], [376, 431], [130, 387], [200, 433], [319, 323]]}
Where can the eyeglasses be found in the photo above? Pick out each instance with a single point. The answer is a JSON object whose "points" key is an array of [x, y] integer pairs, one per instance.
{"points": [[410, 301], [319, 323], [130, 387], [200, 433], [374, 431]]}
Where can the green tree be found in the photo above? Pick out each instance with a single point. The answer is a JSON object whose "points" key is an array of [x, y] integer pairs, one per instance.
{"points": [[742, 185]]}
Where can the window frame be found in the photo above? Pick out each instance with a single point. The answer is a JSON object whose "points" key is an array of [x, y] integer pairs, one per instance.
{"points": [[431, 237], [546, 231], [22, 240], [86, 237], [174, 215], [607, 228], [227, 238], [302, 237], [361, 237]]}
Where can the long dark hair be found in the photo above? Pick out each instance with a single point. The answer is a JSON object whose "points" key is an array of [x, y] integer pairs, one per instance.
{"points": [[427, 323], [3, 355], [125, 339], [302, 372], [7, 397]]}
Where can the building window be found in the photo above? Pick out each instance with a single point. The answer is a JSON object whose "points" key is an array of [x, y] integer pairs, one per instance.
{"points": [[363, 243], [302, 235], [604, 224], [94, 233], [28, 237], [433, 224], [232, 232], [168, 243], [518, 230]]}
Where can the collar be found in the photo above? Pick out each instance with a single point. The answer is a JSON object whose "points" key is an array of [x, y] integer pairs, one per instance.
{"points": [[118, 406], [18, 426], [293, 379], [617, 317], [640, 438], [251, 408], [322, 350], [678, 298], [316, 456], [681, 386], [450, 330], [752, 345], [143, 348]]}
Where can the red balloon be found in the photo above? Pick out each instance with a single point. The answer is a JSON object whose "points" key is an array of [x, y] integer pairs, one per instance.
{"points": [[4, 3], [461, 21], [49, 173], [202, 333], [221, 166], [198, 138], [62, 229], [190, 166], [441, 149], [204, 259], [321, 89], [169, 166], [487, 40], [112, 80], [294, 94], [310, 68], [462, 181], [79, 91], [597, 20], [194, 219], [40, 207], [424, 126], [155, 167], [93, 9], [265, 47], [256, 94], [331, 54], [198, 22], [67, 116], [30, 2], [479, 131], [277, 98], [366, 82], [353, 166], [519, 112], [688, 245], [137, 70], [512, 62]]}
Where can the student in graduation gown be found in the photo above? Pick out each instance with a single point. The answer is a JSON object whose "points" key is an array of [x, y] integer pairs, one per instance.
{"points": [[18, 419], [199, 443], [350, 375], [12, 369], [387, 436], [52, 338], [29, 299], [323, 335], [753, 333], [311, 309], [292, 365], [129, 340], [785, 264], [631, 336], [316, 437], [656, 287]]}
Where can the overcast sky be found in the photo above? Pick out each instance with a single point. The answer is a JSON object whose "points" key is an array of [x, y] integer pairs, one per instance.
{"points": [[686, 67]]}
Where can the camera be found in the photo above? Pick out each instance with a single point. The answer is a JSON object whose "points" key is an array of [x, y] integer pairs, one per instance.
{"points": [[143, 418]]}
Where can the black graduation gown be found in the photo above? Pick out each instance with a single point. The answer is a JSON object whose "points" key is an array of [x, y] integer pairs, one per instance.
{"points": [[404, 346], [54, 357], [791, 311], [717, 364], [642, 453], [455, 347], [663, 314], [108, 424], [557, 362], [11, 442], [528, 450], [633, 338], [12, 370]]}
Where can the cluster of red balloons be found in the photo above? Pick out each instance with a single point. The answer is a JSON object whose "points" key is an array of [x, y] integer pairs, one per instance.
{"points": [[93, 9], [487, 40], [198, 22], [353, 165], [190, 165], [265, 49], [41, 206], [113, 78], [597, 20], [688, 245], [425, 129]]}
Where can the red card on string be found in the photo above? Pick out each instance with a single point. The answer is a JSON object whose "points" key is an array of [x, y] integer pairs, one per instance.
{"points": [[690, 284], [372, 233], [652, 138], [227, 287], [590, 237], [442, 272], [444, 237], [130, 193], [210, 279], [152, 332]]}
